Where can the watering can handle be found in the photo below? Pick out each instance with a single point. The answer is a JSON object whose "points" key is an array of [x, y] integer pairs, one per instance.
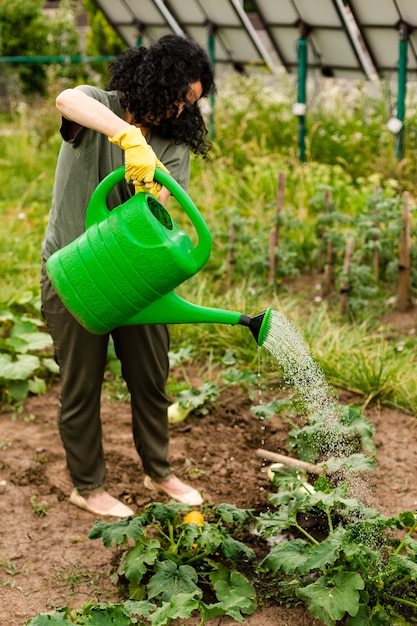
{"points": [[97, 208]]}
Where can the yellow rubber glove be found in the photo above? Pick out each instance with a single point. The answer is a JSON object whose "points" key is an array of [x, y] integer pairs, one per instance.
{"points": [[155, 190], [140, 159]]}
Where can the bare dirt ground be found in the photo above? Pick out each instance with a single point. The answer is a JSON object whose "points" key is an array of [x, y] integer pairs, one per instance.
{"points": [[49, 562]]}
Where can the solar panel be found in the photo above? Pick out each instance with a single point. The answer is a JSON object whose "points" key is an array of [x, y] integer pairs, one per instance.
{"points": [[134, 18], [236, 41], [333, 49], [379, 27]]}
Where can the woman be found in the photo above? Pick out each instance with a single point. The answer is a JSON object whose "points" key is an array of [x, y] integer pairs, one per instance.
{"points": [[148, 117]]}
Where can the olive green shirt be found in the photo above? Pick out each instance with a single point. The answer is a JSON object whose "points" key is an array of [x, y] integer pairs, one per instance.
{"points": [[85, 160]]}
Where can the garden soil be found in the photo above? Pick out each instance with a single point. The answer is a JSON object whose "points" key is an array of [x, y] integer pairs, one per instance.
{"points": [[48, 561]]}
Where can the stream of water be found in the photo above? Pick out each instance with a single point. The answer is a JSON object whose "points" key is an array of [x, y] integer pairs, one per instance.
{"points": [[313, 397], [300, 370]]}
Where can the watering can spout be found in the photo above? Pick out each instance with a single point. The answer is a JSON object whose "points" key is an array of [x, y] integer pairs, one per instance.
{"points": [[259, 325], [173, 309]]}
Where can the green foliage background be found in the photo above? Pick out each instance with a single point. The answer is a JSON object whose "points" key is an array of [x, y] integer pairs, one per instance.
{"points": [[349, 153]]}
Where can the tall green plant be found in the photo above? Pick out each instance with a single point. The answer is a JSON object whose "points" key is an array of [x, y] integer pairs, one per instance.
{"points": [[25, 30]]}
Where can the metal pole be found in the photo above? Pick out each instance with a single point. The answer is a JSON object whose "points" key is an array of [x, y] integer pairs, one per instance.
{"points": [[402, 87], [301, 96]]}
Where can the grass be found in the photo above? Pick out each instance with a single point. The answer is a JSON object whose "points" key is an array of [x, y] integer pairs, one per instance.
{"points": [[238, 186]]}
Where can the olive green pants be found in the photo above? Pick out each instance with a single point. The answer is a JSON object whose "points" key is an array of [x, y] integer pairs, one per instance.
{"points": [[81, 356]]}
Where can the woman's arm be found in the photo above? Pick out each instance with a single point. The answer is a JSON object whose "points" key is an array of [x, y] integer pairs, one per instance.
{"points": [[76, 106]]}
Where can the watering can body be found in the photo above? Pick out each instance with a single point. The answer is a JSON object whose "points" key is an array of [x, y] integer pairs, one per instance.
{"points": [[124, 268], [127, 258]]}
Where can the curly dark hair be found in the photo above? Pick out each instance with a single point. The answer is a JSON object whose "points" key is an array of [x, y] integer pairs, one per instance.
{"points": [[153, 81]]}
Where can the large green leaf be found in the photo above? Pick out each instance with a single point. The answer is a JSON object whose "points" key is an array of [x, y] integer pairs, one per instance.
{"points": [[137, 559], [235, 550], [325, 553], [330, 601], [234, 591], [211, 537], [226, 581], [117, 532], [181, 605], [170, 579], [20, 369], [288, 556], [36, 340]]}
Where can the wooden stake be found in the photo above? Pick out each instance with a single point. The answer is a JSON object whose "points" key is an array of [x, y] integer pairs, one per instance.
{"points": [[287, 460], [375, 256], [274, 234], [328, 270], [403, 300], [230, 261], [326, 205], [350, 244]]}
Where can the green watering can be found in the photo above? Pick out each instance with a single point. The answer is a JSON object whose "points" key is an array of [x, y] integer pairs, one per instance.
{"points": [[122, 270]]}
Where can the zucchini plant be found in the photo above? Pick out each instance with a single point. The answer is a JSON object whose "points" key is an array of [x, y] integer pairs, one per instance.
{"points": [[344, 560], [173, 566]]}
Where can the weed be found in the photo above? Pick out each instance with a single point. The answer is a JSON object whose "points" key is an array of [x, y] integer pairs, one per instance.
{"points": [[40, 508]]}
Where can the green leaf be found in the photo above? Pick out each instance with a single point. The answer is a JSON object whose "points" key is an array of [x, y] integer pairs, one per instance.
{"points": [[267, 411], [209, 611], [117, 532], [234, 376], [20, 369], [36, 340], [162, 513], [235, 604], [407, 519], [111, 615], [235, 550], [170, 580], [325, 553], [6, 316], [229, 357], [137, 559], [142, 608], [49, 619], [334, 499], [192, 398], [51, 365], [411, 543], [354, 463], [211, 537], [22, 327], [330, 600], [181, 605], [183, 354], [37, 386], [404, 564], [271, 523], [367, 617], [234, 591], [18, 389], [232, 514], [288, 556]]}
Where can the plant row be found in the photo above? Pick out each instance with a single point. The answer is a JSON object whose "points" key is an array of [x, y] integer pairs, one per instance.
{"points": [[316, 545]]}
